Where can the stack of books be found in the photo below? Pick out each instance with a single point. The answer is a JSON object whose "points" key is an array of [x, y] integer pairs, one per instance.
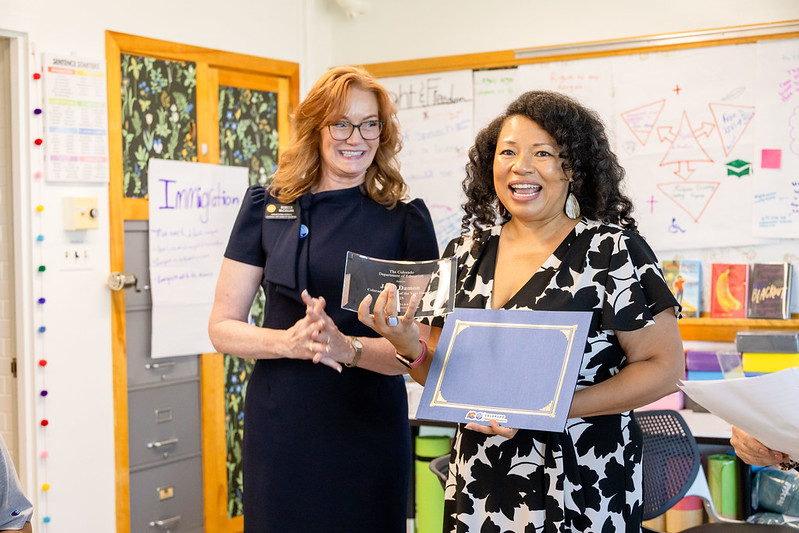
{"points": [[702, 365], [766, 351]]}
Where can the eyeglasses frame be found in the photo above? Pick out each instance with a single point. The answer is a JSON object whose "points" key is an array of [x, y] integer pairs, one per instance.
{"points": [[382, 124]]}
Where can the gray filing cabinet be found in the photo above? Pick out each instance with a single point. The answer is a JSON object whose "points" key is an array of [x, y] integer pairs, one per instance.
{"points": [[164, 414]]}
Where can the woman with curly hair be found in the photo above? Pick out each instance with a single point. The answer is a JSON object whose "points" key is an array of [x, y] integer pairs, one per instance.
{"points": [[552, 230], [324, 450]]}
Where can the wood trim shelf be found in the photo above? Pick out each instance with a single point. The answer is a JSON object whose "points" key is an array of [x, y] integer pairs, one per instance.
{"points": [[724, 329]]}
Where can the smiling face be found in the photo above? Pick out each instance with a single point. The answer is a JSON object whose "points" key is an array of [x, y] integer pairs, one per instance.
{"points": [[528, 172], [344, 163]]}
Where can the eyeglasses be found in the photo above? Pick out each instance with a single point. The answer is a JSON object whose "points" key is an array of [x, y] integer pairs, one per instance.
{"points": [[369, 129]]}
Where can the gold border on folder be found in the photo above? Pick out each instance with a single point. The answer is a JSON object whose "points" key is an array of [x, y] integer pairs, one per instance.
{"points": [[550, 410]]}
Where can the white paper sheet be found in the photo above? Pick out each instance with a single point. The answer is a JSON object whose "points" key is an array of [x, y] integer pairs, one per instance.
{"points": [[766, 407], [192, 209]]}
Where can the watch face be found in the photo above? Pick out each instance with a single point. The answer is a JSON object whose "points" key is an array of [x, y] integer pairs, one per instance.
{"points": [[358, 345]]}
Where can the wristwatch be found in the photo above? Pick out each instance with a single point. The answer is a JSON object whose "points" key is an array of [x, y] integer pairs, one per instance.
{"points": [[357, 345]]}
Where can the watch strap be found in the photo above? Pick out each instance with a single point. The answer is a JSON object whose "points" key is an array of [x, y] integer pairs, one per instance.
{"points": [[358, 347]]}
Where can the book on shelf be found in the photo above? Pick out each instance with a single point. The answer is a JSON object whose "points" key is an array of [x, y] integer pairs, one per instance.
{"points": [[728, 290], [769, 362], [769, 290], [770, 341], [684, 278]]}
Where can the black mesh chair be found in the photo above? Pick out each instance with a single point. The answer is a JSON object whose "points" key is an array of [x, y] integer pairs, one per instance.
{"points": [[672, 470], [440, 467]]}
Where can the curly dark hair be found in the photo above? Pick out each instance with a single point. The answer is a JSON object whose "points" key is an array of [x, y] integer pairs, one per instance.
{"points": [[596, 173]]}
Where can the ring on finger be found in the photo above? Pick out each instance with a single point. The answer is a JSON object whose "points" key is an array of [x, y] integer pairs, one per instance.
{"points": [[310, 345], [393, 320]]}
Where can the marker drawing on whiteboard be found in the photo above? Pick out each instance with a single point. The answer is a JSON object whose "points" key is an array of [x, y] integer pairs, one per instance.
{"points": [[674, 227]]}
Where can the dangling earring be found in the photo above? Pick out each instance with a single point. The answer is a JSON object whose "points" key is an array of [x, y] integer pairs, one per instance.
{"points": [[572, 207], [502, 210]]}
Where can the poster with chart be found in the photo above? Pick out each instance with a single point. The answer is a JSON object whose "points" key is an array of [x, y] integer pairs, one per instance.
{"points": [[776, 181], [494, 89], [75, 117], [436, 115], [192, 209], [688, 145], [589, 81]]}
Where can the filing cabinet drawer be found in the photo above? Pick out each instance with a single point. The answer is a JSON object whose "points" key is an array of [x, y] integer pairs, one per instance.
{"points": [[144, 370], [167, 497], [163, 421]]}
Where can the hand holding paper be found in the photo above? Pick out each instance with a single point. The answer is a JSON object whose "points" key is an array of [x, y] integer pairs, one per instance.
{"points": [[763, 406]]}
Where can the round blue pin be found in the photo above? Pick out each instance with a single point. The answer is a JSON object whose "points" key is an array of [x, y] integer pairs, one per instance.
{"points": [[303, 231]]}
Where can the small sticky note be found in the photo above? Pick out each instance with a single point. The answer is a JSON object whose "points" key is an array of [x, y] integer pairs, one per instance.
{"points": [[771, 159]]}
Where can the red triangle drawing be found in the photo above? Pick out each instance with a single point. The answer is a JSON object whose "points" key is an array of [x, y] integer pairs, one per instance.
{"points": [[685, 147], [692, 197], [642, 120], [731, 122]]}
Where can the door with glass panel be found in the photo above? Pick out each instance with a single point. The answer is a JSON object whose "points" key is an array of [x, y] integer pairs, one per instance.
{"points": [[178, 432]]}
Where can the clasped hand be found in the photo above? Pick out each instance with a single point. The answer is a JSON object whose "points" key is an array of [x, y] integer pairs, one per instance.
{"points": [[318, 336]]}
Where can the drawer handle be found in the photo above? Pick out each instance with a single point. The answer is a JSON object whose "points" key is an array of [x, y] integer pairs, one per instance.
{"points": [[165, 524], [158, 444], [156, 366]]}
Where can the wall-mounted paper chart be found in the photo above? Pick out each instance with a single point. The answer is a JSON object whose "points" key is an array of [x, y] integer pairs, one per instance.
{"points": [[75, 119]]}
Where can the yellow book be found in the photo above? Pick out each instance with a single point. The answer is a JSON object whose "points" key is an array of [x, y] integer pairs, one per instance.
{"points": [[768, 362]]}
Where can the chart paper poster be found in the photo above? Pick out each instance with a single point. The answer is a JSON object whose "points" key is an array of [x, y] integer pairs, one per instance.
{"points": [[776, 187], [436, 115], [688, 145], [517, 367], [75, 117], [432, 281], [192, 209]]}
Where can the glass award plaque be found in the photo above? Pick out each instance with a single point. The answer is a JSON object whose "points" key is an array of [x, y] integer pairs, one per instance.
{"points": [[433, 281]]}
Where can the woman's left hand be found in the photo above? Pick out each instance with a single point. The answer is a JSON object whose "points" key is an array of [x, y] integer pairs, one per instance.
{"points": [[401, 331], [332, 347], [493, 429]]}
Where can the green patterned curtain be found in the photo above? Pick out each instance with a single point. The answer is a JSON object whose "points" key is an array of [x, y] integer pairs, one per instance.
{"points": [[247, 138], [159, 116]]}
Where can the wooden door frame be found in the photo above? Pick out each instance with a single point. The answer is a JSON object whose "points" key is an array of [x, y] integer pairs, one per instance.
{"points": [[209, 63]]}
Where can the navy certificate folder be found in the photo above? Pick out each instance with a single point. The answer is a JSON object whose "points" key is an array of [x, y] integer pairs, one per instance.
{"points": [[518, 367]]}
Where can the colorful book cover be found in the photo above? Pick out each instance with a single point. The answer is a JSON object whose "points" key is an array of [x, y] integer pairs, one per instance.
{"points": [[685, 281], [728, 294], [769, 290]]}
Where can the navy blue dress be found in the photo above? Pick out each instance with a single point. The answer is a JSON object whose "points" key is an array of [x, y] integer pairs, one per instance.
{"points": [[323, 451]]}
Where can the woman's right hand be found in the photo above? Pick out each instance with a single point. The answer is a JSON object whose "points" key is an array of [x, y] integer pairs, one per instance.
{"points": [[405, 334]]}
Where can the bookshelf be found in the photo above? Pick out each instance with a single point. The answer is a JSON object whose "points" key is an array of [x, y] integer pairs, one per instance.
{"points": [[724, 329]]}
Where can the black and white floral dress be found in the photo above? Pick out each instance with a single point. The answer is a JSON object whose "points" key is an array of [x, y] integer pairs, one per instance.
{"points": [[587, 478]]}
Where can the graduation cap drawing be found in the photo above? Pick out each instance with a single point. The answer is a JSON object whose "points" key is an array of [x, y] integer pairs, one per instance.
{"points": [[739, 168]]}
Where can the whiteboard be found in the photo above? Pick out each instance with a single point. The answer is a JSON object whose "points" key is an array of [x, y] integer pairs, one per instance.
{"points": [[435, 112], [708, 136]]}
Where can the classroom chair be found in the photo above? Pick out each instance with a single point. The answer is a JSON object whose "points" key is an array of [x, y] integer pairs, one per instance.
{"points": [[440, 467], [672, 470]]}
